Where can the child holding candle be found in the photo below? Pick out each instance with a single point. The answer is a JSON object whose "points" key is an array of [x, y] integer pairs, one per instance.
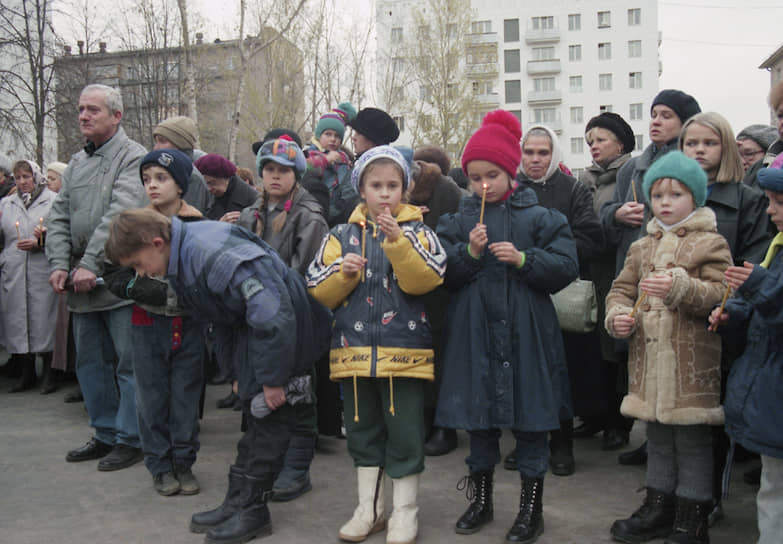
{"points": [[754, 396], [504, 364], [381, 331], [674, 362]]}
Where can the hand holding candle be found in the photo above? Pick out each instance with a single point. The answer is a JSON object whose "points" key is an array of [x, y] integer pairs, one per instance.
{"points": [[714, 325], [483, 202]]}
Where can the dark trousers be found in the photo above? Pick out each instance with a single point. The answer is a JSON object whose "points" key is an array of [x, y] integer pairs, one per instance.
{"points": [[167, 363], [532, 452], [261, 450]]}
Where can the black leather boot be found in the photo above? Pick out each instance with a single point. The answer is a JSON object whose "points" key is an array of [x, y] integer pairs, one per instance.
{"points": [[202, 521], [294, 479], [478, 489], [441, 442], [27, 379], [51, 376], [529, 523], [653, 519], [561, 446], [228, 401], [691, 522], [252, 519], [634, 457]]}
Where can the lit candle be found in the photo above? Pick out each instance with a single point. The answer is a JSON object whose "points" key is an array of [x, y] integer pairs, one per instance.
{"points": [[40, 221], [638, 302], [364, 240], [483, 201], [633, 187], [714, 326], [18, 236], [42, 237]]}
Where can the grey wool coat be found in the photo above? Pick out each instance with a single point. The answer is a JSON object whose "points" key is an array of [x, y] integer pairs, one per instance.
{"points": [[27, 304], [674, 362]]}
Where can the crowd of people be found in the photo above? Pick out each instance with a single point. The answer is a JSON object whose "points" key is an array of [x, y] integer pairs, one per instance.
{"points": [[376, 293]]}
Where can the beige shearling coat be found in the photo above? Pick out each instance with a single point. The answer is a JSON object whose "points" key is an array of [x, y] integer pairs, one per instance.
{"points": [[673, 361]]}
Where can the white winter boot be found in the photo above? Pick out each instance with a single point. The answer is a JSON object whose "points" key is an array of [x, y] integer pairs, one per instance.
{"points": [[368, 518], [404, 523]]}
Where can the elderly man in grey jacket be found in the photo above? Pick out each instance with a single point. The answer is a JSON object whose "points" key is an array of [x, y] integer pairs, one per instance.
{"points": [[100, 181]]}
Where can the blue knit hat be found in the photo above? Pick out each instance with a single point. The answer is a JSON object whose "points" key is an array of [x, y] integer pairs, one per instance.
{"points": [[174, 161], [677, 166], [282, 151], [380, 152], [336, 119], [771, 178]]}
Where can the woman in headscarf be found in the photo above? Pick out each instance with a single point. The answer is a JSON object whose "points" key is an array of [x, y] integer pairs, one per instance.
{"points": [[28, 304]]}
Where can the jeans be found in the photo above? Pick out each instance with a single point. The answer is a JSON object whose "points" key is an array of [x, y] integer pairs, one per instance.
{"points": [[532, 452], [679, 460], [168, 389], [769, 500], [104, 366]]}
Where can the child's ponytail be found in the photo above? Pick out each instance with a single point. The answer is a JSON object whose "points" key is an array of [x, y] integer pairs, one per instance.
{"points": [[279, 221]]}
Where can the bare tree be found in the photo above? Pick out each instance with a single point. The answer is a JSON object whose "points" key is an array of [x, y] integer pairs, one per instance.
{"points": [[26, 76], [190, 79]]}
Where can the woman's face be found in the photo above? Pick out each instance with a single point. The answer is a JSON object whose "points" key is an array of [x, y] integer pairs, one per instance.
{"points": [[216, 186], [604, 147], [750, 152], [54, 181], [361, 143], [25, 182], [665, 125], [536, 156]]}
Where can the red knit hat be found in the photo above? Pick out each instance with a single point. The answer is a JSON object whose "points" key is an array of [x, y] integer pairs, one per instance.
{"points": [[496, 141], [216, 166]]}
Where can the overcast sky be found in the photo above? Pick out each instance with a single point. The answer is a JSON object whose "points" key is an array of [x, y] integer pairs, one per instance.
{"points": [[710, 49]]}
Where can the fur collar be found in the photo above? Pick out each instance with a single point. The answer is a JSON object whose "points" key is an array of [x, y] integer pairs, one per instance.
{"points": [[702, 220]]}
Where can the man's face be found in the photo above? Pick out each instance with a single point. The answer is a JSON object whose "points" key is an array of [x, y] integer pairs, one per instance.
{"points": [[96, 123]]}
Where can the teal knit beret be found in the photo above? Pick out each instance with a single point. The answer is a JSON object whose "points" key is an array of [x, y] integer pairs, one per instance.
{"points": [[677, 166]]}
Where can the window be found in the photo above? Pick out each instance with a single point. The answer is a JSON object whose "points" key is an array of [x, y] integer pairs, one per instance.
{"points": [[513, 91], [397, 94], [544, 84], [511, 30], [516, 113], [604, 51], [577, 114], [575, 84], [544, 115], [604, 19], [511, 60], [575, 21], [400, 120], [398, 64], [577, 145], [543, 23], [396, 34], [634, 17], [476, 87], [543, 53], [635, 48], [604, 82], [635, 80], [639, 141], [423, 33], [636, 112], [605, 107], [481, 27], [482, 87], [425, 93], [574, 52]]}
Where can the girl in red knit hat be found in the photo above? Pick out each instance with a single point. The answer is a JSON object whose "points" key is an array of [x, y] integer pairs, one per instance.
{"points": [[504, 364]]}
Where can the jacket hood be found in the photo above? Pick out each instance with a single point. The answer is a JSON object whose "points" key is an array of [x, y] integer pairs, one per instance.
{"points": [[406, 212], [557, 154]]}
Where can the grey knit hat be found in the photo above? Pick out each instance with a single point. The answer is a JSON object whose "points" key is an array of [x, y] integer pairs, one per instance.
{"points": [[764, 135]]}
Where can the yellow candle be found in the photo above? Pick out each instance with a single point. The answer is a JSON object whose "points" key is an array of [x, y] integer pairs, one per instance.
{"points": [[40, 221], [18, 236], [714, 326], [633, 186], [483, 201], [638, 302]]}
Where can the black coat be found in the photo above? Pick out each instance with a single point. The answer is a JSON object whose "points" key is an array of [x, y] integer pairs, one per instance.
{"points": [[742, 220], [238, 196]]}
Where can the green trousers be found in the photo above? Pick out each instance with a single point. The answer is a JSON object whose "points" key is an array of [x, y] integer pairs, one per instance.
{"points": [[380, 438]]}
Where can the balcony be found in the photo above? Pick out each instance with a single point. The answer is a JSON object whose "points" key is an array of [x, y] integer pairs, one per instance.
{"points": [[488, 99], [543, 97], [542, 35], [536, 67], [556, 124], [487, 69], [486, 37]]}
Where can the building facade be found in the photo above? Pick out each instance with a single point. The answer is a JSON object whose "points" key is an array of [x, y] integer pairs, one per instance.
{"points": [[557, 63], [774, 65], [152, 85]]}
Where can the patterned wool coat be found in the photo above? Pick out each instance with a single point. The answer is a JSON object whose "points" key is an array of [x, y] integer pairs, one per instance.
{"points": [[673, 362]]}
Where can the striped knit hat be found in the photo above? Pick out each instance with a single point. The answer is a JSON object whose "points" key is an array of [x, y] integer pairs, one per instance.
{"points": [[336, 119]]}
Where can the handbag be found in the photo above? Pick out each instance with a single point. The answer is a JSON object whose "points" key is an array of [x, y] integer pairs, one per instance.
{"points": [[576, 306]]}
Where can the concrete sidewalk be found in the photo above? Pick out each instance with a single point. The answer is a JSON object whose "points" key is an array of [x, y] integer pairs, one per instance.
{"points": [[45, 500]]}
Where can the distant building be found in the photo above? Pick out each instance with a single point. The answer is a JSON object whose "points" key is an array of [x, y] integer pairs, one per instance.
{"points": [[774, 65], [152, 85], [557, 63]]}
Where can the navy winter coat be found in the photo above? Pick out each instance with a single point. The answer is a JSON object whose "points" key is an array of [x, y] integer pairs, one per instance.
{"points": [[262, 314], [503, 361], [754, 393]]}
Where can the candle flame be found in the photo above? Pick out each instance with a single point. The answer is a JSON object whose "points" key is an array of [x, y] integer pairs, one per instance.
{"points": [[485, 186]]}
